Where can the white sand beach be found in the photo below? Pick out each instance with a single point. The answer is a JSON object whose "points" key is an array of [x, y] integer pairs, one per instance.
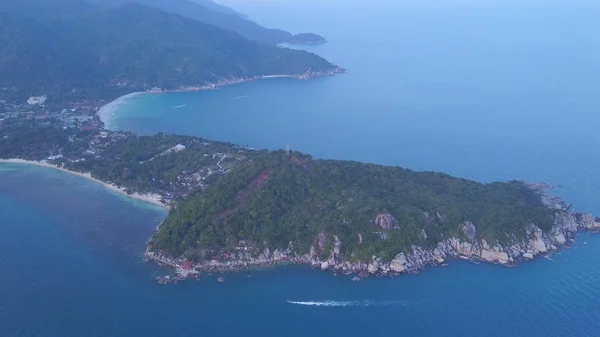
{"points": [[107, 112], [150, 198]]}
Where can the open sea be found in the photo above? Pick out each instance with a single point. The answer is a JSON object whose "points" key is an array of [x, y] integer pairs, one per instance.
{"points": [[487, 90]]}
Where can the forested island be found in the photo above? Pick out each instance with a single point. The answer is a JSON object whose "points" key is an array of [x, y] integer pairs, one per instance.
{"points": [[234, 208], [306, 38]]}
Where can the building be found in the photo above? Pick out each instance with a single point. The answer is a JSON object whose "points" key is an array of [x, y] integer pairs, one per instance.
{"points": [[179, 147], [37, 100]]}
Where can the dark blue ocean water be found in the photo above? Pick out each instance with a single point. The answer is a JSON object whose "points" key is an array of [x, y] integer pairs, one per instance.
{"points": [[488, 90]]}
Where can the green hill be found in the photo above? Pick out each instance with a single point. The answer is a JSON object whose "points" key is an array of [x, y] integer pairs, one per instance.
{"points": [[213, 14], [71, 47], [278, 198]]}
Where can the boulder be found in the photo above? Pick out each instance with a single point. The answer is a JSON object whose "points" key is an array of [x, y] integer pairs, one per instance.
{"points": [[495, 256], [469, 229], [423, 235], [560, 239], [462, 248], [587, 221], [312, 253], [398, 264], [373, 267], [567, 221], [267, 253], [528, 255], [331, 260], [325, 265], [539, 245], [337, 245], [385, 220], [537, 242], [321, 240], [278, 255]]}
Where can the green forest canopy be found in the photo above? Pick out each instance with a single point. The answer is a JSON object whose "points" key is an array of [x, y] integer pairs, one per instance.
{"points": [[277, 198], [69, 47]]}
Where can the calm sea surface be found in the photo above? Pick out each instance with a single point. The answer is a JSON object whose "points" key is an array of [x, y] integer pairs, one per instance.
{"points": [[488, 90]]}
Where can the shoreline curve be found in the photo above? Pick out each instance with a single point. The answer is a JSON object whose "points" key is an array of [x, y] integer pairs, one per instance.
{"points": [[107, 112], [149, 198]]}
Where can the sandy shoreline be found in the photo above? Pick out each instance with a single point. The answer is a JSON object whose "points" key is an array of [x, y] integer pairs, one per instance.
{"points": [[153, 199], [106, 112]]}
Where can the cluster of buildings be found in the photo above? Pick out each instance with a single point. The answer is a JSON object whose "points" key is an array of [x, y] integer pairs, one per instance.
{"points": [[77, 114]]}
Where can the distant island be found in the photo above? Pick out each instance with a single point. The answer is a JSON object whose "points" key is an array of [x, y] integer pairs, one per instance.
{"points": [[233, 208], [306, 38]]}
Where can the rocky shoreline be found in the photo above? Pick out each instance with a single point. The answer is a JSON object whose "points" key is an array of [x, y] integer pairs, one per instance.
{"points": [[468, 248]]}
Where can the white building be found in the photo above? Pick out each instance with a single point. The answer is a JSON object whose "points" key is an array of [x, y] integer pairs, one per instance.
{"points": [[37, 100]]}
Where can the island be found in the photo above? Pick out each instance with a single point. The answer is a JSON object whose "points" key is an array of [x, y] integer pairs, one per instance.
{"points": [[306, 38], [232, 207]]}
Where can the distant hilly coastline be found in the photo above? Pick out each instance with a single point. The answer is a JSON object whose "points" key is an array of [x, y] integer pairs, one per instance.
{"points": [[221, 16], [70, 48]]}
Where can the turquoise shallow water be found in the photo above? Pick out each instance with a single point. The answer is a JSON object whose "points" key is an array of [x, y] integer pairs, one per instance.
{"points": [[487, 90]]}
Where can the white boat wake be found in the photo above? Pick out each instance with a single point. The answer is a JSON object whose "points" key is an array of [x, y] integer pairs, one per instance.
{"points": [[364, 303], [239, 97], [179, 106]]}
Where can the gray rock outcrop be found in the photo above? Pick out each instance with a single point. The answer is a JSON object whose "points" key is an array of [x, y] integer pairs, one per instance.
{"points": [[398, 264], [385, 220], [321, 240], [587, 221], [469, 229]]}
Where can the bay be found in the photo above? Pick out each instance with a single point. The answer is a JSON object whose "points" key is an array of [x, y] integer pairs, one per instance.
{"points": [[488, 90]]}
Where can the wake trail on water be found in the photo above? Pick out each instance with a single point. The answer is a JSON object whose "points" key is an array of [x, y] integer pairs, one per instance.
{"points": [[363, 303], [180, 106]]}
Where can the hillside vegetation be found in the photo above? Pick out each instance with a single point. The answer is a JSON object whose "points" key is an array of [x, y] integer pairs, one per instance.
{"points": [[208, 12], [73, 48], [278, 198]]}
